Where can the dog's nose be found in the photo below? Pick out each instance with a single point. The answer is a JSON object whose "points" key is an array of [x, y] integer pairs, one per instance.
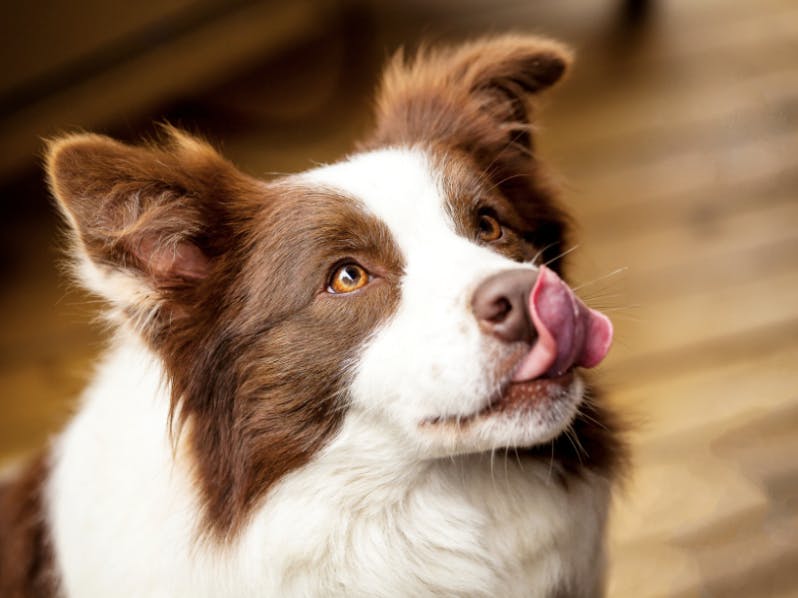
{"points": [[501, 303]]}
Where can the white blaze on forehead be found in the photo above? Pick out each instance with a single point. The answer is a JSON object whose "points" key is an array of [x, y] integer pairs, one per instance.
{"points": [[398, 187], [401, 188]]}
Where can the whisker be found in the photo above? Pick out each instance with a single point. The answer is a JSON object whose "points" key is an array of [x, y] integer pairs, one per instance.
{"points": [[518, 458], [505, 179], [512, 141], [603, 277], [573, 438], [621, 312], [542, 251], [583, 414], [561, 255], [609, 302], [601, 295]]}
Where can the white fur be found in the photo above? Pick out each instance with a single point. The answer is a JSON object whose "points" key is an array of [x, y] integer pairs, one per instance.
{"points": [[432, 360], [376, 512]]}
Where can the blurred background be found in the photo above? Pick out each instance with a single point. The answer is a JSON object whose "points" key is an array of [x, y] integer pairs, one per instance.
{"points": [[676, 139]]}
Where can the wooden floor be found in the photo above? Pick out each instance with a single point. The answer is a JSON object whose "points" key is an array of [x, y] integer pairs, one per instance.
{"points": [[677, 140]]}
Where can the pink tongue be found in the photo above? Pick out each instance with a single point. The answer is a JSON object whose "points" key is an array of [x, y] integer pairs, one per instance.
{"points": [[569, 333]]}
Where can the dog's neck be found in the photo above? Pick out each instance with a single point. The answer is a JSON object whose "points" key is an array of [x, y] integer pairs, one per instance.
{"points": [[365, 513]]}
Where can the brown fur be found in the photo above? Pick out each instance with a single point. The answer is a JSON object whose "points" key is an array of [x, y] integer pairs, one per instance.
{"points": [[530, 229], [253, 419], [248, 311], [26, 559], [593, 443]]}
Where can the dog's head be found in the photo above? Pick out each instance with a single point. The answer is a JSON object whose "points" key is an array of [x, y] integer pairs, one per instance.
{"points": [[403, 286]]}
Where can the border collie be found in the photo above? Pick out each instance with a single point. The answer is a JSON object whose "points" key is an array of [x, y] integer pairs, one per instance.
{"points": [[362, 380]]}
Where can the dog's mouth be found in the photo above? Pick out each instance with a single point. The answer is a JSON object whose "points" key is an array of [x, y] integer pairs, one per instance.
{"points": [[515, 398], [568, 335], [529, 395]]}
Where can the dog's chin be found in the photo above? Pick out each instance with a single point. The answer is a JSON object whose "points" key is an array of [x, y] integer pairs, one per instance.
{"points": [[523, 414]]}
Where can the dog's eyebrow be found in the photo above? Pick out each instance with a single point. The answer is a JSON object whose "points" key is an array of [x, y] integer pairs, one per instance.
{"points": [[323, 220]]}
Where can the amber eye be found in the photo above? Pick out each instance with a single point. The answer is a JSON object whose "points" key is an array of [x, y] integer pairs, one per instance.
{"points": [[348, 278], [488, 228]]}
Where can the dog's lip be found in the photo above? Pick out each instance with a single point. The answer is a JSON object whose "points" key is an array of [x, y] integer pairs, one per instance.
{"points": [[528, 393], [514, 396]]}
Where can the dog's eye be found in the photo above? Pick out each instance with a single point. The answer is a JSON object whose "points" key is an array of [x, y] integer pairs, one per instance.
{"points": [[488, 228], [348, 278]]}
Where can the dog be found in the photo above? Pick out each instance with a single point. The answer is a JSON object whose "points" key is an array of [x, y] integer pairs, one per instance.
{"points": [[366, 379]]}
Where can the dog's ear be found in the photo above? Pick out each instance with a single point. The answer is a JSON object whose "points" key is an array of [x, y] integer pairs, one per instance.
{"points": [[149, 221], [476, 97], [478, 100]]}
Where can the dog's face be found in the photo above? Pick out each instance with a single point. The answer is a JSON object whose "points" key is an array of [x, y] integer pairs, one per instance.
{"points": [[432, 364], [403, 284]]}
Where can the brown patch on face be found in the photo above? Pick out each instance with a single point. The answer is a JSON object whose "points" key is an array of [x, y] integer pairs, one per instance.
{"points": [[236, 271], [26, 559], [264, 381], [531, 230]]}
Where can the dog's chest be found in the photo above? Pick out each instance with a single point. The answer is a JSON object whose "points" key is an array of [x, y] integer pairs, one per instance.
{"points": [[466, 528], [350, 523]]}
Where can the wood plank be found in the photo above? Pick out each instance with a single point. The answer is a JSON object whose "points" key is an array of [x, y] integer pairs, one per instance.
{"points": [[724, 234], [687, 172], [745, 563], [691, 319], [678, 498], [654, 118], [738, 521], [652, 570], [722, 27], [37, 399], [752, 558], [708, 354], [74, 31], [752, 445], [695, 208], [615, 291], [669, 408]]}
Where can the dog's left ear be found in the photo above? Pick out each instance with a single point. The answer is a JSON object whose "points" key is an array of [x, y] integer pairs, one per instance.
{"points": [[476, 97]]}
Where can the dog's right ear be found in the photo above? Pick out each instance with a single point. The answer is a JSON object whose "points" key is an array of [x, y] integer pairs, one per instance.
{"points": [[479, 99], [150, 221], [476, 96]]}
